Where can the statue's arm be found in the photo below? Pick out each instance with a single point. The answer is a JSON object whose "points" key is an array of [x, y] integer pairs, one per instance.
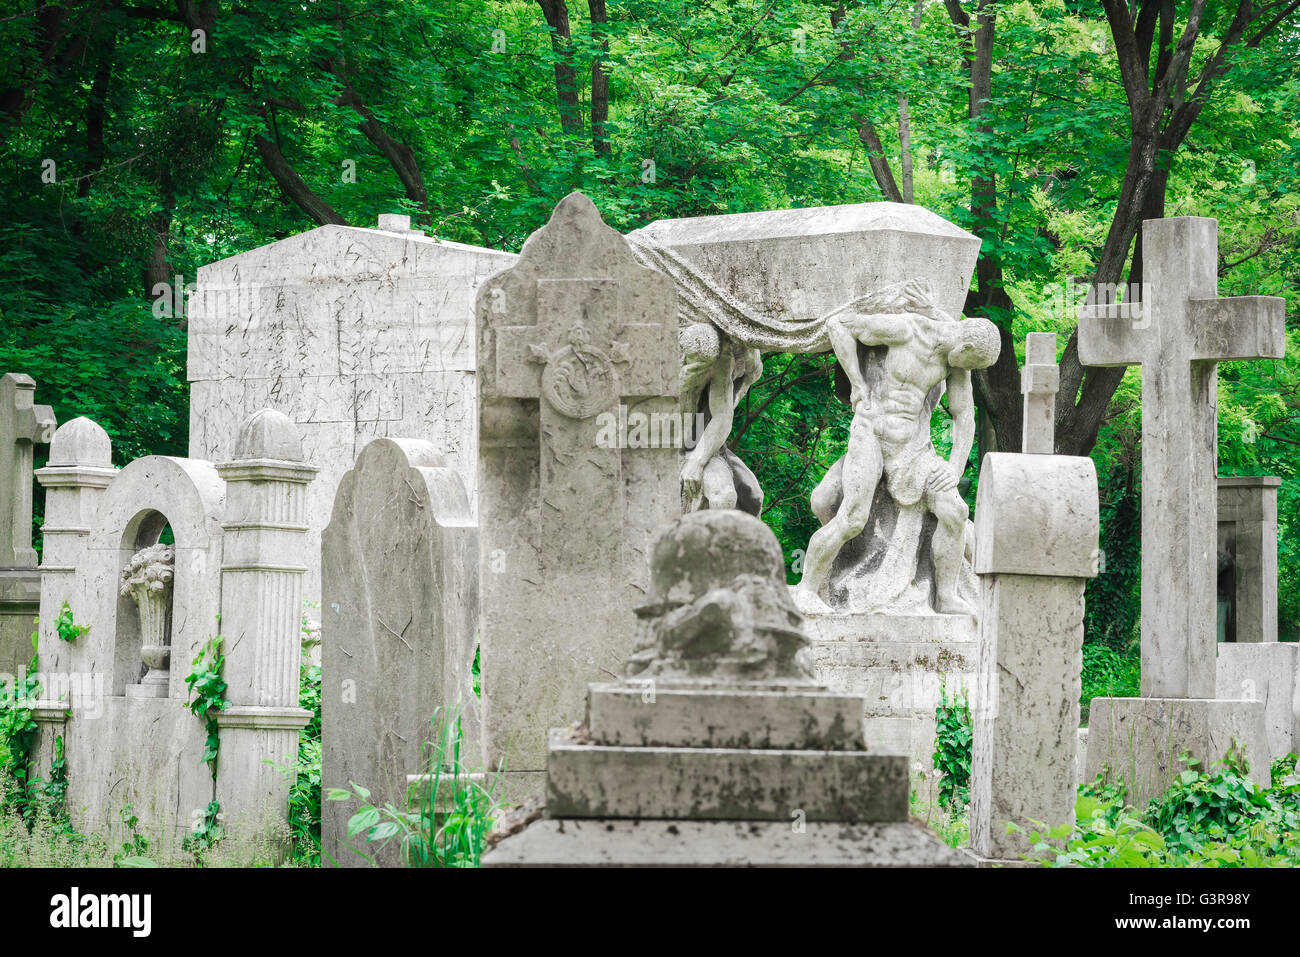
{"points": [[721, 415], [961, 406]]}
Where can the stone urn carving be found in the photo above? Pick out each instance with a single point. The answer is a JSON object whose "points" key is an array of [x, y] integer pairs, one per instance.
{"points": [[147, 578]]}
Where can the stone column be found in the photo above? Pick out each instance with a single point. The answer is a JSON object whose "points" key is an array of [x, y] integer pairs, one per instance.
{"points": [[79, 470], [1036, 529], [262, 572], [1248, 527], [1040, 380]]}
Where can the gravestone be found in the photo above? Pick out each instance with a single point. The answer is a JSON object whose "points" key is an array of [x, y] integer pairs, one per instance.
{"points": [[23, 425], [568, 335], [1182, 333], [399, 608], [721, 750], [1252, 662], [354, 334], [1036, 528], [1040, 380], [1248, 542]]}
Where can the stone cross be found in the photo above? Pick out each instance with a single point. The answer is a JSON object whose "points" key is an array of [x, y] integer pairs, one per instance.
{"points": [[22, 424], [569, 334], [1183, 333], [1040, 380]]}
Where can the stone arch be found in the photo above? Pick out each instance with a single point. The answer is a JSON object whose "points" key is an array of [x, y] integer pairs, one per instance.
{"points": [[145, 497]]}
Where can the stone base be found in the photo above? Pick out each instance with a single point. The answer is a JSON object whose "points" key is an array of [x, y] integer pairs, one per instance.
{"points": [[1265, 671], [1081, 756], [647, 714], [147, 689], [508, 787], [588, 781], [1140, 739], [896, 663], [619, 843], [998, 862]]}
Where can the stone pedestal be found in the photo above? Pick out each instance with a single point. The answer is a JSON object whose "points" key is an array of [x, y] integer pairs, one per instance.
{"points": [[1265, 672], [1140, 739], [698, 799], [895, 665], [1248, 538]]}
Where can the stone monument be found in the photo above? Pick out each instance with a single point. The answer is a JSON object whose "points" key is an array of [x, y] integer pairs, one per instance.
{"points": [[721, 749]]}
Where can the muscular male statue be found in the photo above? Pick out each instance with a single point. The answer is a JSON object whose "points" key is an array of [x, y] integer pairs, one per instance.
{"points": [[716, 373], [887, 437]]}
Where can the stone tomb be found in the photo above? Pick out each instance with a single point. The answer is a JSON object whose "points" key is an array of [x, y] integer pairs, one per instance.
{"points": [[722, 751], [399, 614], [23, 425], [791, 265], [354, 334], [1184, 332], [572, 332], [116, 695]]}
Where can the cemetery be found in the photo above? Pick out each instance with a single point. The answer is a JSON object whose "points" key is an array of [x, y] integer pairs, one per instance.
{"points": [[787, 529]]}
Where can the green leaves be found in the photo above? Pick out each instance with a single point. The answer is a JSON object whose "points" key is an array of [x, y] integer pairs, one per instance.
{"points": [[207, 689], [952, 748], [67, 627]]}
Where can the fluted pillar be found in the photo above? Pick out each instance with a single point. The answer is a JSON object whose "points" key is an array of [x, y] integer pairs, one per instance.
{"points": [[264, 560]]}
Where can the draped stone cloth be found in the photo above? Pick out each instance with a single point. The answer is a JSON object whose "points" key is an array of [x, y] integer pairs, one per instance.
{"points": [[700, 299]]}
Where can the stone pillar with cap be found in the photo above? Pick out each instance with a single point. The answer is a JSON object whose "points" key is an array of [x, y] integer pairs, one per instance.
{"points": [[261, 622], [75, 477], [1036, 533]]}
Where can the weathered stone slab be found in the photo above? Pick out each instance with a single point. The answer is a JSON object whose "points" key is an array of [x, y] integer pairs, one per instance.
{"points": [[355, 334], [398, 616], [722, 784], [575, 329], [620, 843], [1266, 672], [646, 715], [897, 665], [1139, 740]]}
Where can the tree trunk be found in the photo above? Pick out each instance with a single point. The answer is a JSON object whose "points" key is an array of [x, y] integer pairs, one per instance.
{"points": [[599, 81], [566, 78], [293, 185]]}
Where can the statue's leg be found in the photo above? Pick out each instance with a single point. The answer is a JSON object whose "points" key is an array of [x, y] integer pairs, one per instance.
{"points": [[948, 548], [718, 484], [860, 473], [828, 492]]}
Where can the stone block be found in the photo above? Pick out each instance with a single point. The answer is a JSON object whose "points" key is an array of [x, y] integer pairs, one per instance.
{"points": [[1140, 739], [1265, 672], [619, 843], [650, 715], [721, 784]]}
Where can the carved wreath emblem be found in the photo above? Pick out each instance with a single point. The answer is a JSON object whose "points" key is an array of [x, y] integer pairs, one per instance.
{"points": [[579, 379]]}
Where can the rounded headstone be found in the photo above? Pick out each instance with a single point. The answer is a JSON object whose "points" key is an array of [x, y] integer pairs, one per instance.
{"points": [[709, 549], [268, 434], [81, 442]]}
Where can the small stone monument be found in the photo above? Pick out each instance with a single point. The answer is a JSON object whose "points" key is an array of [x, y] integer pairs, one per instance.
{"points": [[147, 579], [722, 750]]}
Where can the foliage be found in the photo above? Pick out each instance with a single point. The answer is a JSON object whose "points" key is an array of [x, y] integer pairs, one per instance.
{"points": [[305, 788], [952, 748], [1214, 818], [449, 817], [67, 626], [136, 847], [477, 674], [206, 831], [1108, 673], [207, 689]]}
